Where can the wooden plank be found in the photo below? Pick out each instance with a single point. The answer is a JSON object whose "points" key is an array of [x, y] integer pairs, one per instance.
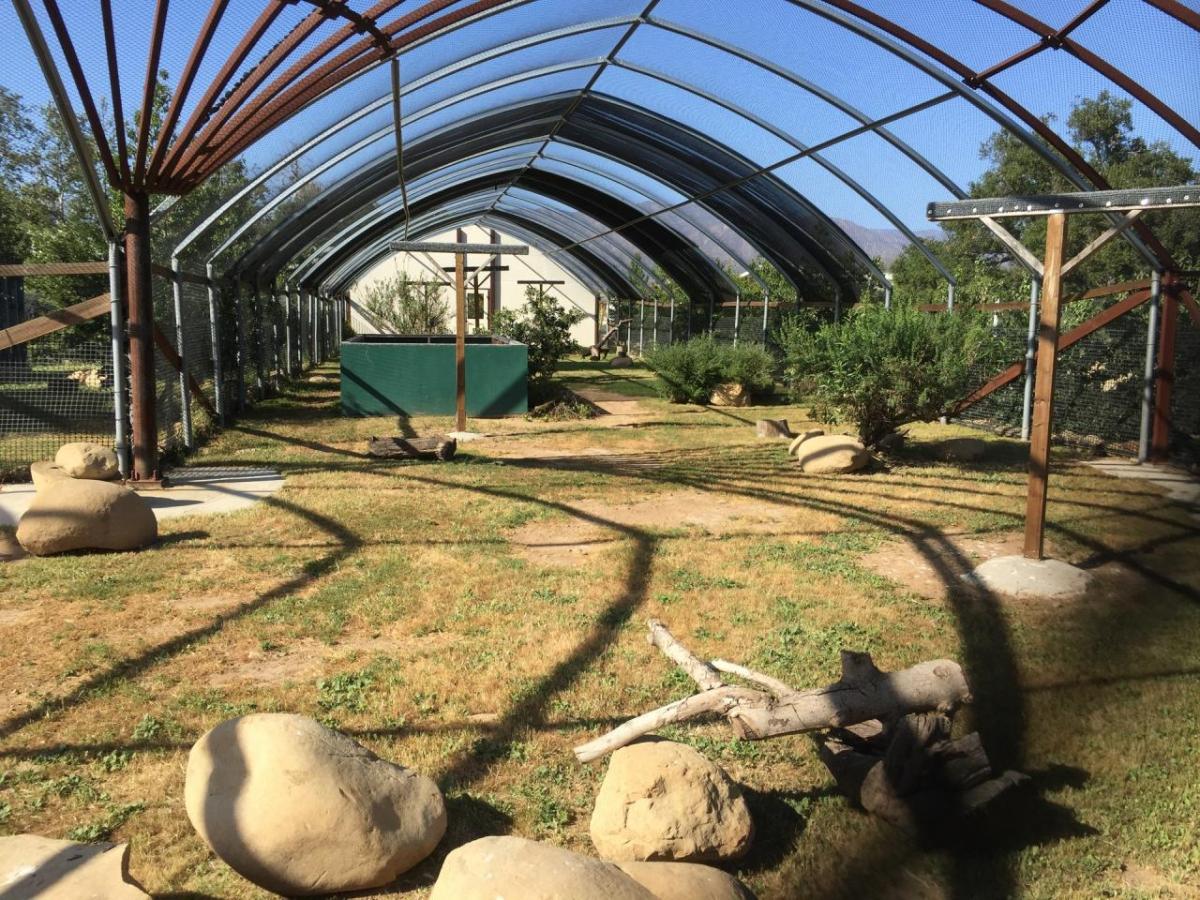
{"points": [[167, 349], [460, 342], [35, 270], [1189, 303], [1049, 318], [1072, 337], [456, 248], [184, 275], [31, 329]]}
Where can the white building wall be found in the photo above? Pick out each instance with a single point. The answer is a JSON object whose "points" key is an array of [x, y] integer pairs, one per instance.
{"points": [[537, 265]]}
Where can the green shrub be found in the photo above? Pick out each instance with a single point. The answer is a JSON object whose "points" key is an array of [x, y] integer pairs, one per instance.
{"points": [[879, 369], [748, 365], [545, 328], [688, 372]]}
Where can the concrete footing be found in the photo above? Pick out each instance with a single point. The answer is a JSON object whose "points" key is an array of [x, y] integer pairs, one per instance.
{"points": [[1016, 576]]}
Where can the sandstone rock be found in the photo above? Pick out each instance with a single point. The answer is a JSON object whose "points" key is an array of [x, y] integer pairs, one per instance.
{"points": [[74, 514], [685, 881], [32, 866], [663, 800], [962, 449], [731, 394], [801, 438], [87, 460], [9, 548], [620, 362], [832, 454], [300, 809], [517, 869], [44, 472]]}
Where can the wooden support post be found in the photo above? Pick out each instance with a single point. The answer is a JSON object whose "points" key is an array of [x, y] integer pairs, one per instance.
{"points": [[140, 299], [1160, 440], [1050, 316], [460, 341]]}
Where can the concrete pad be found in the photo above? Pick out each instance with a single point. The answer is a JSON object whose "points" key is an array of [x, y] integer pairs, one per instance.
{"points": [[1179, 484], [1030, 579], [194, 491]]}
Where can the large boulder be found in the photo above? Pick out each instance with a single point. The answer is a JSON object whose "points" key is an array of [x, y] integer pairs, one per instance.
{"points": [[662, 800], [300, 809], [620, 362], [686, 881], [44, 473], [88, 460], [32, 866], [516, 868], [801, 438], [730, 394], [69, 514], [832, 454]]}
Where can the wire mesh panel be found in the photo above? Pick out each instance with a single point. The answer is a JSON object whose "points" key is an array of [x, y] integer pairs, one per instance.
{"points": [[1185, 398], [57, 389]]}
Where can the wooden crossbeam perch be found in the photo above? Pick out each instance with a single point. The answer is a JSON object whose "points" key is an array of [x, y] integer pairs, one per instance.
{"points": [[447, 247]]}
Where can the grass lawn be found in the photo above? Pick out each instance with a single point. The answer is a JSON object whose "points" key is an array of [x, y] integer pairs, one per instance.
{"points": [[477, 619]]}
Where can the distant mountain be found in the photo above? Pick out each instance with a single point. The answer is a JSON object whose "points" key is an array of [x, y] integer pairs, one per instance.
{"points": [[886, 243]]}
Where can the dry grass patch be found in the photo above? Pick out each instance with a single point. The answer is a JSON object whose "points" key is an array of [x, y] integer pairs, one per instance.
{"points": [[416, 607]]}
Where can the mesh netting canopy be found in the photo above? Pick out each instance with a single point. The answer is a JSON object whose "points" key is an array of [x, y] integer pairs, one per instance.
{"points": [[698, 135]]}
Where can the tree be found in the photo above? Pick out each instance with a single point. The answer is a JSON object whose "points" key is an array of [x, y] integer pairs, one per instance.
{"points": [[1101, 130], [409, 305], [544, 326]]}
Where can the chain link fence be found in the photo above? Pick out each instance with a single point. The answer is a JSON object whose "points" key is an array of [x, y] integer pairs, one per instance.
{"points": [[59, 388]]}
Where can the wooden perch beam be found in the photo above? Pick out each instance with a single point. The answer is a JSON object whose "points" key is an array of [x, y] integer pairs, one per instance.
{"points": [[862, 694], [31, 329]]}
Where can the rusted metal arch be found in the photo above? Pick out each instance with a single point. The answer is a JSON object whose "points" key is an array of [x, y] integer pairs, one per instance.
{"points": [[722, 46], [907, 46]]}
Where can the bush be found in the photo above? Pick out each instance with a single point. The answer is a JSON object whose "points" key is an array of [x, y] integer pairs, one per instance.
{"points": [[688, 372], [408, 305], [545, 328], [880, 369]]}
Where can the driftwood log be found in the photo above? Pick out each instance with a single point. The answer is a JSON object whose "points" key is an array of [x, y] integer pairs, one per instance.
{"points": [[441, 448], [884, 736], [774, 428], [599, 349]]}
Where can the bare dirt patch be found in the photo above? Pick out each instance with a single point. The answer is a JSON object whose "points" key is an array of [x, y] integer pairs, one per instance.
{"points": [[11, 618], [597, 525], [929, 566], [1147, 879]]}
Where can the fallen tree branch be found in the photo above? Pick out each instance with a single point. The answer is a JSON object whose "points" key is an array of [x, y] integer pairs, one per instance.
{"points": [[884, 736], [862, 694]]}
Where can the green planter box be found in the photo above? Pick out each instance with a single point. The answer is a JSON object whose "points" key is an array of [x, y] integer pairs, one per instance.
{"points": [[413, 375]]}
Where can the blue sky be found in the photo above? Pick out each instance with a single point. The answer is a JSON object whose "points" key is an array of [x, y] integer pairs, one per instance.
{"points": [[1151, 45]]}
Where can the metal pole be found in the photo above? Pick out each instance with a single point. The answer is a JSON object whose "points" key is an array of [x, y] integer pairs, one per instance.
{"points": [[214, 331], [711, 312], [139, 296], [837, 304], [313, 330], [766, 314], [672, 318], [887, 296], [654, 341], [737, 314], [259, 343], [641, 325], [950, 296], [67, 113], [240, 312], [1030, 353], [185, 400], [287, 331], [1148, 381], [117, 327]]}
